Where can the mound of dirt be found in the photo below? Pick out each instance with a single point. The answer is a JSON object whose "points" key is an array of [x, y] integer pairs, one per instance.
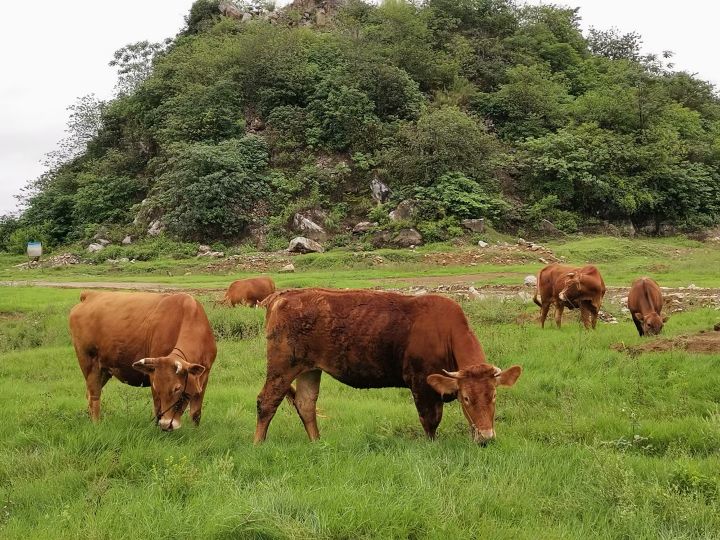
{"points": [[706, 342]]}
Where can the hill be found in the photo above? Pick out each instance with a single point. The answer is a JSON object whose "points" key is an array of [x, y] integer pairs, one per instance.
{"points": [[251, 123]]}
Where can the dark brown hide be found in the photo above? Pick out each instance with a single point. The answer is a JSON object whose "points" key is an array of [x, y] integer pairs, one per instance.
{"points": [[145, 339], [573, 288], [645, 303], [249, 292], [373, 339]]}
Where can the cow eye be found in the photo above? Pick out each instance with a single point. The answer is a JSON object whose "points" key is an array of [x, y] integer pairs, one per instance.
{"points": [[177, 388], [466, 399]]}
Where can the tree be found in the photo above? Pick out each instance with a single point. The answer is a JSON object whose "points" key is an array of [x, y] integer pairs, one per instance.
{"points": [[134, 64]]}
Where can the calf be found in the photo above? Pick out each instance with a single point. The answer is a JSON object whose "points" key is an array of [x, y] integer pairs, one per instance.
{"points": [[249, 292], [143, 339], [573, 288], [645, 303]]}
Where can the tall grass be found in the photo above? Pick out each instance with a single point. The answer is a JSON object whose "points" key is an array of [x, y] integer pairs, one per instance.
{"points": [[591, 444]]}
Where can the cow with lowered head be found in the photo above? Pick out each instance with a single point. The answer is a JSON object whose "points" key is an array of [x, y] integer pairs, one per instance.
{"points": [[573, 288], [373, 339], [163, 341], [645, 302], [249, 292]]}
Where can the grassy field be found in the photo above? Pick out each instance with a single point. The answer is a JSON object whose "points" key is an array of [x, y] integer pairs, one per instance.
{"points": [[592, 443], [672, 261]]}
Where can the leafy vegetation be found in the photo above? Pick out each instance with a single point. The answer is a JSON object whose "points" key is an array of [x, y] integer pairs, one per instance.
{"points": [[488, 108]]}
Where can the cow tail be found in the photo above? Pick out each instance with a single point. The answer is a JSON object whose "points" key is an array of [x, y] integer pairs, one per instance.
{"points": [[290, 396], [536, 297]]}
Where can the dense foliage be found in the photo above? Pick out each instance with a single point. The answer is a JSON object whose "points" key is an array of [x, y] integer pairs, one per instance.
{"points": [[487, 108]]}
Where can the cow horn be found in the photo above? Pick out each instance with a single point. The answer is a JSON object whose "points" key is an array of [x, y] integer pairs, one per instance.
{"points": [[453, 374], [178, 366], [571, 274], [498, 371], [145, 361]]}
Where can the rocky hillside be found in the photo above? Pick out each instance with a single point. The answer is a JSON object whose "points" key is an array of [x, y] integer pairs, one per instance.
{"points": [[351, 123]]}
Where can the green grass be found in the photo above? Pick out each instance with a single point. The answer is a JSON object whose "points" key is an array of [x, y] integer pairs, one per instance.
{"points": [[672, 261], [591, 444]]}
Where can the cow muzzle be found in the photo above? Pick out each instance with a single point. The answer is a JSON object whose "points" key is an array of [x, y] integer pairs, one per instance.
{"points": [[483, 436], [169, 424]]}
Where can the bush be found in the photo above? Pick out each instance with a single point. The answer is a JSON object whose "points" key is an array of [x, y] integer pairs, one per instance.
{"points": [[18, 239], [460, 196]]}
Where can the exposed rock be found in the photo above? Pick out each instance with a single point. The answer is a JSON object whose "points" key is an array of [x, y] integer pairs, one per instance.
{"points": [[211, 254], [203, 249], [321, 17], [482, 244], [530, 281], [246, 17], [103, 241], [156, 227], [94, 248], [363, 227], [474, 294], [308, 228], [626, 228], [717, 327], [231, 10], [380, 192], [288, 268], [474, 225], [402, 239], [548, 226], [522, 242], [127, 240], [301, 244], [404, 210]]}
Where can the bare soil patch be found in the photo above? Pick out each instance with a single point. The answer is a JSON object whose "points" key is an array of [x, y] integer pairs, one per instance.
{"points": [[706, 342]]}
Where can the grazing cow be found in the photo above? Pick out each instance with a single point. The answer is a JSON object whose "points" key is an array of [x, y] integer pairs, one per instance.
{"points": [[249, 292], [373, 339], [571, 288], [144, 339], [645, 303]]}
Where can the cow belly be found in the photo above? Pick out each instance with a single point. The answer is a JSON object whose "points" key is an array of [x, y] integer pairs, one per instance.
{"points": [[365, 380], [130, 376]]}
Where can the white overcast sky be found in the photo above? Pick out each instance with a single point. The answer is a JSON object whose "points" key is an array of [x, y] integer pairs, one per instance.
{"points": [[53, 51]]}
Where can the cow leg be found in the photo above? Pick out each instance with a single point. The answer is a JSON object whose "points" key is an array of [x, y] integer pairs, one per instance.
{"points": [[559, 307], [306, 395], [430, 408], [544, 308], [638, 325], [95, 379], [197, 401], [594, 311], [585, 314], [269, 399]]}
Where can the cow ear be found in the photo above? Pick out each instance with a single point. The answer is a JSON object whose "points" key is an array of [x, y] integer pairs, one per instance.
{"points": [[445, 386], [509, 376], [196, 369], [639, 316], [146, 365]]}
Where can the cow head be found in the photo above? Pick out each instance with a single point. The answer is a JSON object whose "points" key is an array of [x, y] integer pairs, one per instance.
{"points": [[652, 323], [174, 383], [475, 389], [572, 288]]}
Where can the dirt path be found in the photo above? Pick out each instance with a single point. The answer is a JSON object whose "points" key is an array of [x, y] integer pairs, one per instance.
{"points": [[110, 285]]}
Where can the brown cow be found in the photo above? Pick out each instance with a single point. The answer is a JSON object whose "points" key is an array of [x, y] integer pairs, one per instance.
{"points": [[373, 339], [143, 339], [571, 288], [249, 292], [645, 303]]}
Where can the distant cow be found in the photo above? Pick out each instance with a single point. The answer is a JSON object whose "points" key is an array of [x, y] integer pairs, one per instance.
{"points": [[645, 303], [143, 339], [373, 339], [249, 292], [573, 288]]}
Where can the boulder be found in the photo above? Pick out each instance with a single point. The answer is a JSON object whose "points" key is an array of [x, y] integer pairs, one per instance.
{"points": [[548, 226], [203, 249], [288, 268], [482, 244], [308, 228], [246, 17], [230, 10], [103, 241], [474, 225], [301, 244], [363, 227], [211, 254], [127, 240], [380, 192], [95, 247], [404, 210], [530, 281], [156, 227], [404, 238]]}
